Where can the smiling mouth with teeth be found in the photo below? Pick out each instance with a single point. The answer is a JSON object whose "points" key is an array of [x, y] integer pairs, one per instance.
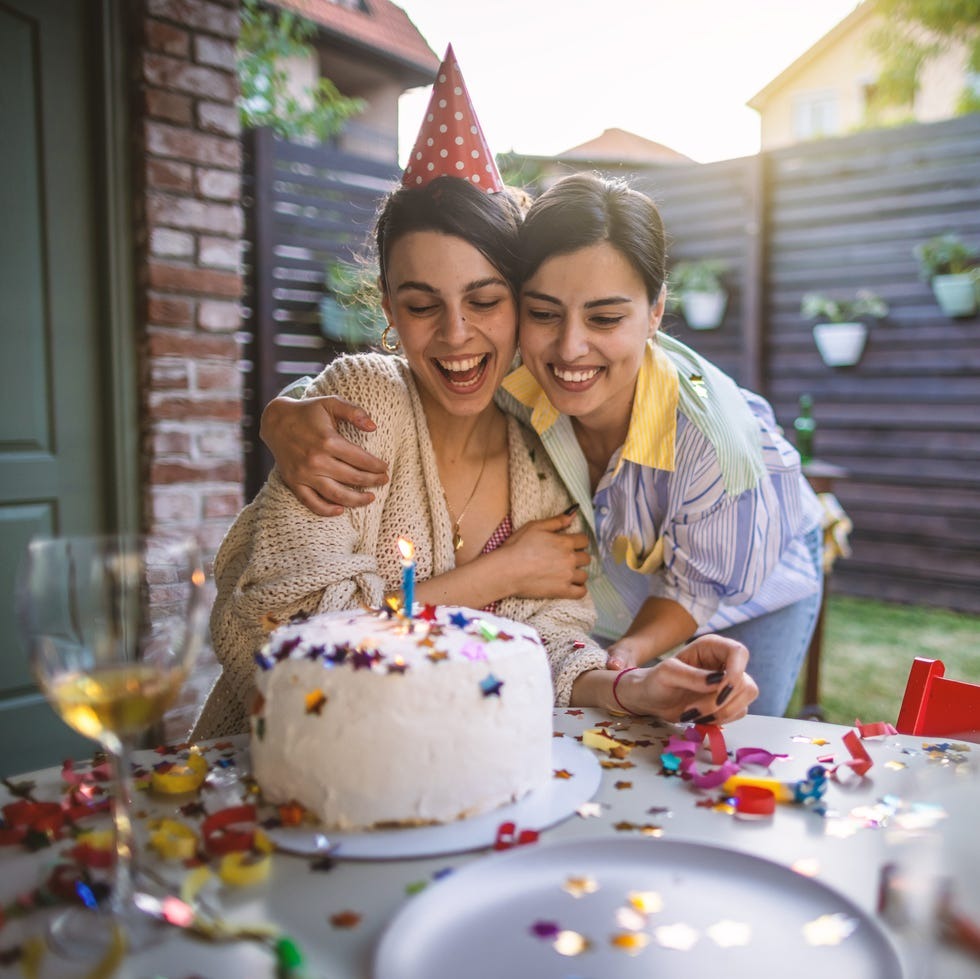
{"points": [[466, 372], [575, 376]]}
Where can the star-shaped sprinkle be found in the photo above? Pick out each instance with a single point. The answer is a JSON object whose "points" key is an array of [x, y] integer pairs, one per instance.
{"points": [[345, 919], [575, 712], [623, 785], [806, 866], [630, 919], [624, 826], [315, 701], [436, 656], [563, 773], [548, 930], [286, 647], [459, 620], [730, 934], [580, 886], [646, 902], [428, 613], [681, 937], [340, 653], [364, 659], [397, 665], [490, 686], [632, 942], [571, 943], [473, 651], [828, 929]]}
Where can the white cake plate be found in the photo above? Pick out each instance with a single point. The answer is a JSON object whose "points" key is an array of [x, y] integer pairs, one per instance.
{"points": [[724, 913], [538, 810]]}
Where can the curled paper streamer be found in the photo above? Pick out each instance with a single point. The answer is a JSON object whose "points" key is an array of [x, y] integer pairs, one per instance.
{"points": [[860, 760], [182, 777]]}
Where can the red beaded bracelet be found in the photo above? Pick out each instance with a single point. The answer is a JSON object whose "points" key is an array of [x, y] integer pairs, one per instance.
{"points": [[619, 676]]}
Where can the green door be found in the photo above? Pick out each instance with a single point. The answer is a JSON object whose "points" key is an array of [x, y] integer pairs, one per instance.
{"points": [[55, 397]]}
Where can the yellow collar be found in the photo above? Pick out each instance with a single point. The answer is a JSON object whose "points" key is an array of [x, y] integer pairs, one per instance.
{"points": [[653, 423]]}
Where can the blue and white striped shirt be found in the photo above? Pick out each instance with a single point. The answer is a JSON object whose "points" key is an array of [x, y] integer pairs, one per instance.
{"points": [[671, 516]]}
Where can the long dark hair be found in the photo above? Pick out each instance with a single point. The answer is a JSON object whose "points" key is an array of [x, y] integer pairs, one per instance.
{"points": [[584, 209], [489, 222]]}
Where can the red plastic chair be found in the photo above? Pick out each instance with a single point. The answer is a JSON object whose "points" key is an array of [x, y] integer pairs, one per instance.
{"points": [[935, 706]]}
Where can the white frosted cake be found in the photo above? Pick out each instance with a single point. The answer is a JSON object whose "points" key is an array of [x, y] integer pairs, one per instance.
{"points": [[368, 720]]}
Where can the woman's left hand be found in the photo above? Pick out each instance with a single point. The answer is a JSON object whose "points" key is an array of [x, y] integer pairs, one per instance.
{"points": [[705, 683]]}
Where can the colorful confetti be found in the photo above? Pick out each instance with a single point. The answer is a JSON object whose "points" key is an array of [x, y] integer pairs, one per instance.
{"points": [[828, 929]]}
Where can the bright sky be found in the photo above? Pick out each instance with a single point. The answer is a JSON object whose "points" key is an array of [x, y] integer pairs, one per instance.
{"points": [[546, 75]]}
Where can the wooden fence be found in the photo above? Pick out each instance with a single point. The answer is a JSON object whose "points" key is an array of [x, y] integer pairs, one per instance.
{"points": [[832, 216], [307, 206]]}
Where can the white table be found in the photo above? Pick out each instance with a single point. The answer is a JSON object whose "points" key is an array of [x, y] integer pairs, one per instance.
{"points": [[301, 901]]}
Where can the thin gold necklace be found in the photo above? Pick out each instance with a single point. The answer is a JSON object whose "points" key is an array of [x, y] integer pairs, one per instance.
{"points": [[457, 539]]}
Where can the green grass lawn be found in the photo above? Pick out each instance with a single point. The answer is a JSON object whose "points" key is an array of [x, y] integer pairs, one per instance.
{"points": [[869, 646]]}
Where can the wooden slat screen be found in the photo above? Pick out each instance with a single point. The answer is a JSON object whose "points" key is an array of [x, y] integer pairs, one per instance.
{"points": [[308, 206]]}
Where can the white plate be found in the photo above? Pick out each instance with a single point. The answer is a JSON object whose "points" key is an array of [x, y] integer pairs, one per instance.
{"points": [[538, 810], [477, 921]]}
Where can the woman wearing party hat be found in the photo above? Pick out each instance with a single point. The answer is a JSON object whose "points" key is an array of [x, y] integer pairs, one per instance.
{"points": [[469, 485]]}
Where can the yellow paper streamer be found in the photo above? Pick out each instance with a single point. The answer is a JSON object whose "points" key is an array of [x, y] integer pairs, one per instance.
{"points": [[245, 869], [172, 839], [181, 778]]}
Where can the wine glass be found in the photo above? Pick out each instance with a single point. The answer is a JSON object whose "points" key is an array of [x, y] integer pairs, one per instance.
{"points": [[113, 624]]}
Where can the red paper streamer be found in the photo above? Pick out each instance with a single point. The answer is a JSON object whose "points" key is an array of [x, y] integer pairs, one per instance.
{"points": [[219, 839]]}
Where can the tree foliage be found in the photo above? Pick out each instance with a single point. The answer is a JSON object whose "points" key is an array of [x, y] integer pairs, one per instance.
{"points": [[267, 39], [913, 32]]}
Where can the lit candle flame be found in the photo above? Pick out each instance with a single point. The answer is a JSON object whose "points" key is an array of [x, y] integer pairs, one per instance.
{"points": [[407, 549]]}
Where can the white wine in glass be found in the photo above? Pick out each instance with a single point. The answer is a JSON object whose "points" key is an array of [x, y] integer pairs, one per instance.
{"points": [[113, 624]]}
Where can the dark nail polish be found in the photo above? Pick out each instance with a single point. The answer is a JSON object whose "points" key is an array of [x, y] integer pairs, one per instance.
{"points": [[572, 509], [688, 715], [706, 719], [716, 677], [724, 695]]}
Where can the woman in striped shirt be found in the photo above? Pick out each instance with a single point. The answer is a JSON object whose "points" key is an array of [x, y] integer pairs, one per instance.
{"points": [[700, 517]]}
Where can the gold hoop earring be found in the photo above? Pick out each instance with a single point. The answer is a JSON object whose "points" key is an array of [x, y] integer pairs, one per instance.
{"points": [[386, 341]]}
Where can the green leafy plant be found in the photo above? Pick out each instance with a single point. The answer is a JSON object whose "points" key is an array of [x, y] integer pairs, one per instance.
{"points": [[704, 275], [945, 254], [865, 303], [267, 39], [913, 33]]}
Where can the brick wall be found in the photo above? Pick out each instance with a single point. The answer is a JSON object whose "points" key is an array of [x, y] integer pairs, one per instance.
{"points": [[189, 226]]}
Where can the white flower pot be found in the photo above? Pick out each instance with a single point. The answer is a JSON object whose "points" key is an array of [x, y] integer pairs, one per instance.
{"points": [[840, 344], [955, 294], [703, 310]]}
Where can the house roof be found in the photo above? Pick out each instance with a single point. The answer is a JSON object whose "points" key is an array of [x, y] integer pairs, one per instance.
{"points": [[851, 22], [378, 27], [621, 146]]}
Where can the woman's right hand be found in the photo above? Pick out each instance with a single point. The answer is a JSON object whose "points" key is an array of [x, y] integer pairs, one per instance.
{"points": [[314, 460], [546, 561]]}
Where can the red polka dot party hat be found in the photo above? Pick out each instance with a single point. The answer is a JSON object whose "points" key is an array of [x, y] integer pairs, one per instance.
{"points": [[451, 142]]}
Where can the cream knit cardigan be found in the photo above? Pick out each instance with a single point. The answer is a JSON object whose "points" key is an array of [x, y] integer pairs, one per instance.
{"points": [[279, 558]]}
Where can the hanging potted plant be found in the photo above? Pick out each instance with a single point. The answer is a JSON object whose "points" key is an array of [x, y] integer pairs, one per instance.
{"points": [[950, 266], [840, 333], [697, 289]]}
